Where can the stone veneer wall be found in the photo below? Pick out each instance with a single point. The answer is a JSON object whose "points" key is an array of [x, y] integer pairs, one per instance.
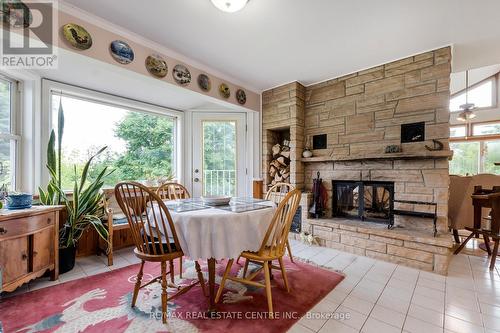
{"points": [[362, 113], [283, 108]]}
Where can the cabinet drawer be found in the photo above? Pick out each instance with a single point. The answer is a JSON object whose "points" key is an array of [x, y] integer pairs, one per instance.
{"points": [[25, 225]]}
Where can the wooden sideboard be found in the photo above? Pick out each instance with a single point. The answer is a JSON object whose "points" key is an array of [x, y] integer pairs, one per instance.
{"points": [[29, 245]]}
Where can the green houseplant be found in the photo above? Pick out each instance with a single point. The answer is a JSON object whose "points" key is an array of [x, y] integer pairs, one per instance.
{"points": [[83, 206]]}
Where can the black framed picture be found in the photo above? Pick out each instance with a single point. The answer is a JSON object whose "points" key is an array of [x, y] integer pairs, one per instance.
{"points": [[414, 132], [319, 141]]}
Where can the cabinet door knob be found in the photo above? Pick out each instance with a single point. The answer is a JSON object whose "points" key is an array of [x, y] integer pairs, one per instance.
{"points": [[3, 231], [24, 256], [35, 253], [49, 220]]}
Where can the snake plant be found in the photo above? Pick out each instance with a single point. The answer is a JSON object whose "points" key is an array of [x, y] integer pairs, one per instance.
{"points": [[84, 205]]}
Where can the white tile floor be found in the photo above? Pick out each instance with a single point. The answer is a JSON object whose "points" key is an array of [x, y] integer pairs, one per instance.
{"points": [[381, 297], [375, 296]]}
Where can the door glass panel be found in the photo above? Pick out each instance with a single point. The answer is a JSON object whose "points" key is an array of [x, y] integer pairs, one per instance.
{"points": [[219, 158], [465, 158]]}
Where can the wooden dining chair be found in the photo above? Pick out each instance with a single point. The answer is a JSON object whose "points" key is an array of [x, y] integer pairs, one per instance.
{"points": [[272, 248], [276, 194], [492, 233], [148, 231], [173, 191]]}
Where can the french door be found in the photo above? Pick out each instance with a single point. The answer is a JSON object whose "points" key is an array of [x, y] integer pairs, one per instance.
{"points": [[219, 154]]}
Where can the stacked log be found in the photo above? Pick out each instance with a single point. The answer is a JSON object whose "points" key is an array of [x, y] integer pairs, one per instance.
{"points": [[279, 167]]}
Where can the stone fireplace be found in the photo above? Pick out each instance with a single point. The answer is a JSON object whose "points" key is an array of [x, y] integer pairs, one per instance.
{"points": [[381, 126]]}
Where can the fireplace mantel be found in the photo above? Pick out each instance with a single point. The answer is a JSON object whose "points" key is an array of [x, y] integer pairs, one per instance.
{"points": [[382, 156]]}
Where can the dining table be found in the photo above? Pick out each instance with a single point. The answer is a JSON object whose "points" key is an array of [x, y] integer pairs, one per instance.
{"points": [[214, 233]]}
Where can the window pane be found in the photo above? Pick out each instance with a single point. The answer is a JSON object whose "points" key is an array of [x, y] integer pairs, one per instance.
{"points": [[465, 158], [5, 106], [491, 155], [457, 131], [486, 129], [219, 158], [140, 145], [481, 96], [7, 163]]}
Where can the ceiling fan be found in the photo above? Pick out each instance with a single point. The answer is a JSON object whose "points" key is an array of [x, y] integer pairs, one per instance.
{"points": [[467, 112]]}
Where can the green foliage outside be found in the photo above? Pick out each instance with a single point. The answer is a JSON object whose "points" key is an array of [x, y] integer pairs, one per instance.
{"points": [[473, 157], [148, 156], [219, 157]]}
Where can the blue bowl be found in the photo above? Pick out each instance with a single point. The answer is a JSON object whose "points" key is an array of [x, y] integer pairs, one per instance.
{"points": [[19, 201]]}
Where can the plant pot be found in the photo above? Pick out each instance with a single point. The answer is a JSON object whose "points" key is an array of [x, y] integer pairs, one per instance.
{"points": [[67, 259], [307, 153]]}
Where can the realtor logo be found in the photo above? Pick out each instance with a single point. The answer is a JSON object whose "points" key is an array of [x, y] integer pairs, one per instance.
{"points": [[28, 34]]}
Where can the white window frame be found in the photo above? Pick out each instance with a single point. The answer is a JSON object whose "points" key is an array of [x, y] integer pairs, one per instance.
{"points": [[13, 134], [49, 87], [493, 105]]}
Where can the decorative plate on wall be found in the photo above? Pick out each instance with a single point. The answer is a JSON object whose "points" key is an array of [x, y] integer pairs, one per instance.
{"points": [[181, 75], [121, 52], [77, 36], [224, 90], [204, 82], [16, 14], [156, 65], [241, 96]]}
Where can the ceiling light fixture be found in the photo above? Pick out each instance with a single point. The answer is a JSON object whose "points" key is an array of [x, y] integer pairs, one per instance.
{"points": [[229, 6], [467, 113]]}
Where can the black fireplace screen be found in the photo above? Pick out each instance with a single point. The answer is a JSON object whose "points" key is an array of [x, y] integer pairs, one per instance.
{"points": [[369, 200]]}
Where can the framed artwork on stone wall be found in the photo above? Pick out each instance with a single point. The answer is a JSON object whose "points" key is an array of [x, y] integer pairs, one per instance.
{"points": [[320, 141]]}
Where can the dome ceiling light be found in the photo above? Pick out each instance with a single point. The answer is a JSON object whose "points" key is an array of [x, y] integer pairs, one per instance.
{"points": [[229, 6]]}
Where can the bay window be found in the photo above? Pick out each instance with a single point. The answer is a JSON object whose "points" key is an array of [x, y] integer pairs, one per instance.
{"points": [[141, 143]]}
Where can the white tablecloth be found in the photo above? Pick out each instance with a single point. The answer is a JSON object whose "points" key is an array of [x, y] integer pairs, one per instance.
{"points": [[219, 234]]}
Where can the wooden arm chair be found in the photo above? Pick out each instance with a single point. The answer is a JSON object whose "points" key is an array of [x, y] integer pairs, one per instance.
{"points": [[113, 220], [173, 191], [272, 248], [148, 233]]}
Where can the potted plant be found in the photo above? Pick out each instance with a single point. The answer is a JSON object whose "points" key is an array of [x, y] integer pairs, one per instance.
{"points": [[83, 206]]}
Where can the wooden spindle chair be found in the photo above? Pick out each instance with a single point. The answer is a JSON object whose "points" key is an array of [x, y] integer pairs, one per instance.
{"points": [[154, 236], [272, 248], [276, 194], [173, 191]]}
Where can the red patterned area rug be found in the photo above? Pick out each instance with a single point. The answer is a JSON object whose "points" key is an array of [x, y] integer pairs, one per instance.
{"points": [[101, 303]]}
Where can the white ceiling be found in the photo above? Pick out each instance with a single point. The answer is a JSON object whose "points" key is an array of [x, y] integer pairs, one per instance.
{"points": [[271, 42]]}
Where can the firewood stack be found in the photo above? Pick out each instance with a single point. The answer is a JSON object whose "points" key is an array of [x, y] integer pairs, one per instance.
{"points": [[279, 167]]}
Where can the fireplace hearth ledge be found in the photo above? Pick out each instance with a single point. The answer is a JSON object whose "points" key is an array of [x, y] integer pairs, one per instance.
{"points": [[413, 248], [382, 156]]}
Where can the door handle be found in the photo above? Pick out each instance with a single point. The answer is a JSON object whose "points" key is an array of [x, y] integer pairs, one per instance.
{"points": [[3, 231]]}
